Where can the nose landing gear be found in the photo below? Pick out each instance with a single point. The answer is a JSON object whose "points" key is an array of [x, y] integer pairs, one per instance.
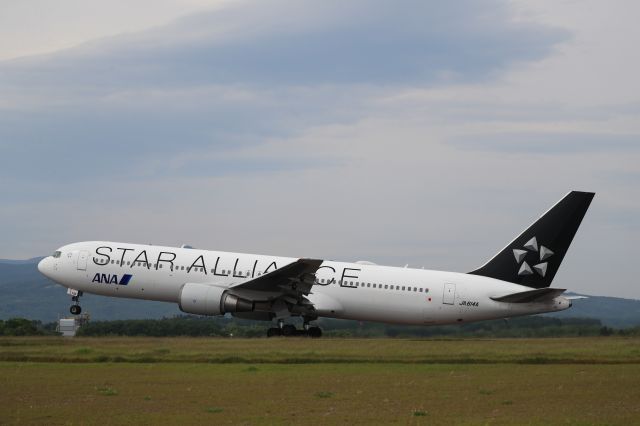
{"points": [[75, 309]]}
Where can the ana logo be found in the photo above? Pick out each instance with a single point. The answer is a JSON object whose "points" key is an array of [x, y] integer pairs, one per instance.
{"points": [[543, 254], [111, 279]]}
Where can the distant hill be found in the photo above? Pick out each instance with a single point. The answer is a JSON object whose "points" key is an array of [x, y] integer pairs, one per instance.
{"points": [[27, 293], [34, 260], [611, 311]]}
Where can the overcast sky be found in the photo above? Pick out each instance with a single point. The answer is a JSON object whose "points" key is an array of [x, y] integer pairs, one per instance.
{"points": [[421, 132]]}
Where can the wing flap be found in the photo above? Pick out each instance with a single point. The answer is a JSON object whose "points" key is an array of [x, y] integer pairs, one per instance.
{"points": [[531, 296]]}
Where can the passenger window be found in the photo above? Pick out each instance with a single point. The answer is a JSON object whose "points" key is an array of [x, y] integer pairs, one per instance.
{"points": [[368, 284]]}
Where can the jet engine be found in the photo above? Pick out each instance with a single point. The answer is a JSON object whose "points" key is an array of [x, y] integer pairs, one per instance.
{"points": [[203, 299]]}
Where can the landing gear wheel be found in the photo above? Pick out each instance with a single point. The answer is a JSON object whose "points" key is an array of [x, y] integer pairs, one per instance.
{"points": [[315, 332], [289, 330], [274, 331], [75, 309]]}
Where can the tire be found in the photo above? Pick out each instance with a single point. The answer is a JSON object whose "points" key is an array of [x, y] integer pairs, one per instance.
{"points": [[315, 332], [289, 330], [75, 309]]}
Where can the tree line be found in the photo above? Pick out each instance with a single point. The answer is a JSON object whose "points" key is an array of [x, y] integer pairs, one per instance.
{"points": [[530, 326]]}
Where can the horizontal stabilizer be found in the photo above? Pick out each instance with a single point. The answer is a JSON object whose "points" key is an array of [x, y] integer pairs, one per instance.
{"points": [[531, 296], [575, 297]]}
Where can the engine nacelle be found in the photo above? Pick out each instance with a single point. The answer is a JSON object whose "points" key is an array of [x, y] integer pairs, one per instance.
{"points": [[203, 299]]}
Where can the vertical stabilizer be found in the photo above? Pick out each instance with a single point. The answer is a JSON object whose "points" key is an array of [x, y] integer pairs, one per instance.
{"points": [[533, 258]]}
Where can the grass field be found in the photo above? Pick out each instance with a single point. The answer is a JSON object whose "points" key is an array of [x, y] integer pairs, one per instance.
{"points": [[326, 381]]}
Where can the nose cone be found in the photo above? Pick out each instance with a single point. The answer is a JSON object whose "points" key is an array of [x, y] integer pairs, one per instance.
{"points": [[43, 266]]}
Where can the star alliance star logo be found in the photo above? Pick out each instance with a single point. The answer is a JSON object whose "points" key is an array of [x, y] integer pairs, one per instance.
{"points": [[543, 254]]}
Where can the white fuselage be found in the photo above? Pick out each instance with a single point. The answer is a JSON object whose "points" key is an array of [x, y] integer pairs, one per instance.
{"points": [[357, 291]]}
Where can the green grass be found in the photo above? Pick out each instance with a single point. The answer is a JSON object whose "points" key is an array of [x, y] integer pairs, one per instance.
{"points": [[107, 391], [582, 381], [591, 350]]}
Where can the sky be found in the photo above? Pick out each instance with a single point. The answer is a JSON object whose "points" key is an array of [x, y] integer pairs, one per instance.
{"points": [[412, 132]]}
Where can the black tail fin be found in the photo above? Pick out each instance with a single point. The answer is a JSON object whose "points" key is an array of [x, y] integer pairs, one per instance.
{"points": [[533, 258]]}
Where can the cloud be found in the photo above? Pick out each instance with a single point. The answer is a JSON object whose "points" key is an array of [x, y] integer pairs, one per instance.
{"points": [[398, 132], [551, 144], [234, 78], [285, 43]]}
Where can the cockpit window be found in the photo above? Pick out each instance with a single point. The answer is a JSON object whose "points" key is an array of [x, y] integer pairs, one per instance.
{"points": [[57, 254]]}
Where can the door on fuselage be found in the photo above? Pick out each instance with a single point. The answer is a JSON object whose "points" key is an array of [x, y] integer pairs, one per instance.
{"points": [[449, 295], [82, 260]]}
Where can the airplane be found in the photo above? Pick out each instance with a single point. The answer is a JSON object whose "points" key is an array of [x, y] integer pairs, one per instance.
{"points": [[514, 282]]}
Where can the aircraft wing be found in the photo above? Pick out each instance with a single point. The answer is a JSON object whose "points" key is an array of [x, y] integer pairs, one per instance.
{"points": [[294, 279], [531, 296]]}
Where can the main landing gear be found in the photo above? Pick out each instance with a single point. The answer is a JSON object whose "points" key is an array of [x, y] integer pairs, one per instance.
{"points": [[75, 309], [290, 330]]}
